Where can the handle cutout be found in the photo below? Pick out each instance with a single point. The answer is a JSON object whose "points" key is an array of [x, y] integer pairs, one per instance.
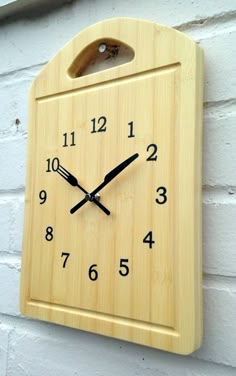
{"points": [[100, 55]]}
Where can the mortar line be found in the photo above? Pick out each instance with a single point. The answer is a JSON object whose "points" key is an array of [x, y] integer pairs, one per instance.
{"points": [[214, 19], [26, 68], [9, 193]]}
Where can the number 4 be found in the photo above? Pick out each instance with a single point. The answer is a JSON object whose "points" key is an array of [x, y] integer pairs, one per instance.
{"points": [[148, 239]]}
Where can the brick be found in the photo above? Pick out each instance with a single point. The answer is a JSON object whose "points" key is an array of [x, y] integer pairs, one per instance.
{"points": [[11, 223], [219, 321], [12, 163], [219, 238], [220, 67], [9, 288], [5, 225], [219, 149], [3, 350], [17, 226], [14, 105]]}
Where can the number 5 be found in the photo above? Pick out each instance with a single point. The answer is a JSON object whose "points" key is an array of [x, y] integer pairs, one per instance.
{"points": [[126, 268]]}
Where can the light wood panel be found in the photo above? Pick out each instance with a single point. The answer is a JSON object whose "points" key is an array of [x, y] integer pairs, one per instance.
{"points": [[94, 271]]}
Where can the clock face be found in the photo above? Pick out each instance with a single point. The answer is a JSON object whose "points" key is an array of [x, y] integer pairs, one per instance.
{"points": [[119, 264], [112, 235]]}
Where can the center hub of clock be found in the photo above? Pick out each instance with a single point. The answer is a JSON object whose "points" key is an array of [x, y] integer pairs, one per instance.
{"points": [[89, 197]]}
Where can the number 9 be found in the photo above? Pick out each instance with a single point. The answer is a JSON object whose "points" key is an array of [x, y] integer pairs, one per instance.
{"points": [[42, 196]]}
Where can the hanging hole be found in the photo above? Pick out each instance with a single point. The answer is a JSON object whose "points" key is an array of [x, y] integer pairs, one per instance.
{"points": [[102, 48], [99, 56]]}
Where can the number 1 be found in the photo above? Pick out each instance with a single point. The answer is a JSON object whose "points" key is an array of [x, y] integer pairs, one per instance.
{"points": [[131, 129]]}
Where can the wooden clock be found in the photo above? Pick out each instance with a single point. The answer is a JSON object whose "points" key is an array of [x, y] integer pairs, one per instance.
{"points": [[112, 233]]}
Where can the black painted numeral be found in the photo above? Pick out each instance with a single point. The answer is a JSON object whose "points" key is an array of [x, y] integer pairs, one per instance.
{"points": [[163, 194], [42, 197], [92, 272], [153, 149], [131, 129], [149, 239], [99, 125], [49, 233], [125, 267], [66, 255], [52, 164], [69, 137]]}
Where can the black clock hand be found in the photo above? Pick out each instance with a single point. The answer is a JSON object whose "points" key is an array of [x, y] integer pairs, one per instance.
{"points": [[110, 176], [71, 179]]}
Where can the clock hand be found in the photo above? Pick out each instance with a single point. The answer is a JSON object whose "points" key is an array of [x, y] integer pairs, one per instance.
{"points": [[71, 179], [114, 172], [110, 176]]}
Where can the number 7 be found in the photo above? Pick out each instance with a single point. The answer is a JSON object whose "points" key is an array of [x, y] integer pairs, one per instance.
{"points": [[66, 258]]}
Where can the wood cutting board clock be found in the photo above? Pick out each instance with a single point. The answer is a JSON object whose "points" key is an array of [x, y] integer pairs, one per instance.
{"points": [[112, 232]]}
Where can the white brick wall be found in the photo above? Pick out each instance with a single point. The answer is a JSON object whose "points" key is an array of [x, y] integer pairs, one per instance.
{"points": [[33, 348]]}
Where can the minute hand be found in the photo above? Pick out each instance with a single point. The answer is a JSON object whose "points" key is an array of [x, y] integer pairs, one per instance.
{"points": [[110, 176]]}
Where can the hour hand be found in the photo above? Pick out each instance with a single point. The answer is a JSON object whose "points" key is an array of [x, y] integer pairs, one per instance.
{"points": [[71, 179], [109, 177]]}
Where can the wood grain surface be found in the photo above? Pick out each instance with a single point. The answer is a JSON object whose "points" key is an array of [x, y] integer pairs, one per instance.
{"points": [[93, 271]]}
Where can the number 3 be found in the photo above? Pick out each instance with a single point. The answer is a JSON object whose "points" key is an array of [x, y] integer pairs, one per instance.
{"points": [[162, 193]]}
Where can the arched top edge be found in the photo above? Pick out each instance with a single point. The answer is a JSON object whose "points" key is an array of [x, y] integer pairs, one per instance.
{"points": [[132, 22], [112, 28], [154, 45]]}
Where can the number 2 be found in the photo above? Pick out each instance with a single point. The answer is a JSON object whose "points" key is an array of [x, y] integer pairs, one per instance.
{"points": [[153, 149]]}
